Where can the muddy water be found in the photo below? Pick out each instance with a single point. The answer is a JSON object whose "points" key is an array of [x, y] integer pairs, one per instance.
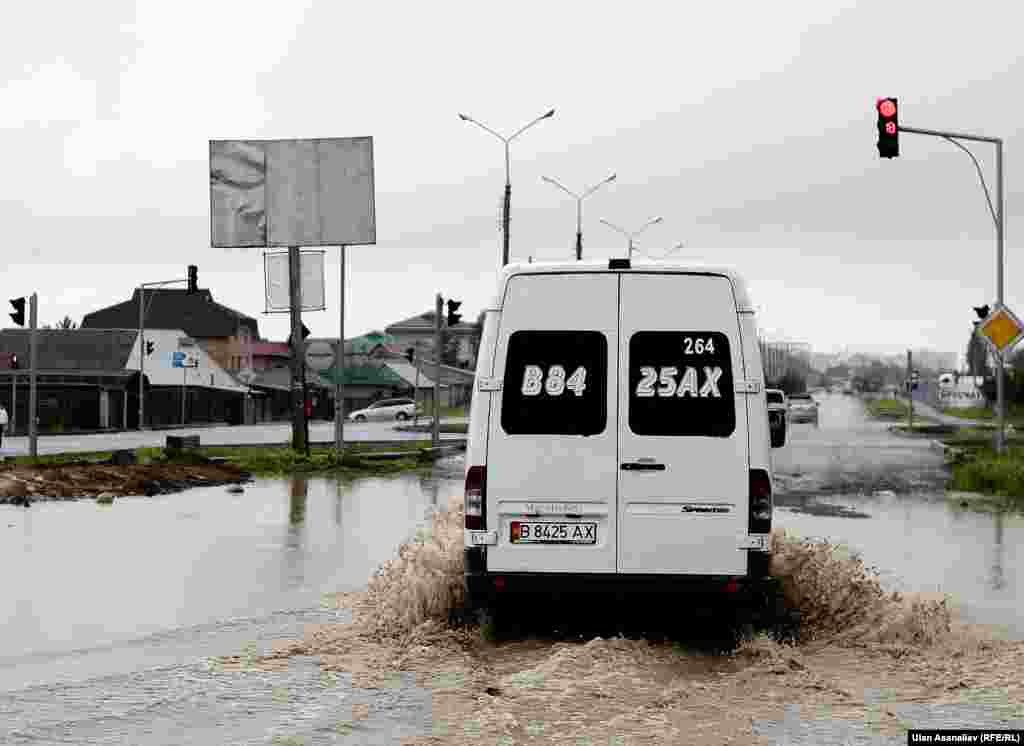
{"points": [[91, 590], [923, 542]]}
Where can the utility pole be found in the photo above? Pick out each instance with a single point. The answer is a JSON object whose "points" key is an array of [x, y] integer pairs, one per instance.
{"points": [[295, 302], [910, 392], [33, 362], [436, 433]]}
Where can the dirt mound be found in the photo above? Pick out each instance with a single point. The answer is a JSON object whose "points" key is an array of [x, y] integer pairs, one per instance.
{"points": [[69, 481]]}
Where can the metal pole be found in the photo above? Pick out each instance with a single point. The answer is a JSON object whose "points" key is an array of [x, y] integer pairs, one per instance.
{"points": [[1000, 226], [14, 402], [33, 357], [436, 434], [416, 389], [339, 361], [184, 383], [142, 357], [506, 218], [910, 393], [579, 229], [295, 298]]}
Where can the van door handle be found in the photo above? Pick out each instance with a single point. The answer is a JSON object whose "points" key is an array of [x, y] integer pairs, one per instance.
{"points": [[642, 466]]}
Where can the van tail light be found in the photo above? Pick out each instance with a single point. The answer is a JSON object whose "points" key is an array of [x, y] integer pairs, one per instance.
{"points": [[476, 498], [760, 502]]}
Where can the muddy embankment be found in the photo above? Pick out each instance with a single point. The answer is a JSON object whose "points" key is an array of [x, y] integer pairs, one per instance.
{"points": [[25, 484], [865, 660]]}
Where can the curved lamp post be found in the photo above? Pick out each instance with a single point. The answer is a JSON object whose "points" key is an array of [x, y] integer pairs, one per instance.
{"points": [[579, 207], [508, 182], [630, 236]]}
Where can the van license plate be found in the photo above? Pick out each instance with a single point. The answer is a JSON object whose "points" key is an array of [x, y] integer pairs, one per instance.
{"points": [[548, 532]]}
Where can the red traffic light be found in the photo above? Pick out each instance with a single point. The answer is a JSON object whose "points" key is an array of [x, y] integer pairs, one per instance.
{"points": [[886, 107]]}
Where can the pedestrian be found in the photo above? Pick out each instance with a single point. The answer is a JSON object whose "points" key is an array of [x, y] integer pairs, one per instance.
{"points": [[3, 424]]}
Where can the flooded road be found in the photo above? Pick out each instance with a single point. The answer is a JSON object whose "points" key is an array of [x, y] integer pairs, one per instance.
{"points": [[114, 615], [102, 588], [851, 481]]}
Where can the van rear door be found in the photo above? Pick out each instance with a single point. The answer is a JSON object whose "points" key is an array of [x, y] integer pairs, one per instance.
{"points": [[551, 450], [683, 451]]}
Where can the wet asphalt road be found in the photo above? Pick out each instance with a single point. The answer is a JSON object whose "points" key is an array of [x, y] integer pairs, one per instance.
{"points": [[226, 435], [849, 453]]}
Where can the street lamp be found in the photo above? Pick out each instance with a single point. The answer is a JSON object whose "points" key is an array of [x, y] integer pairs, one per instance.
{"points": [[508, 181], [671, 251], [142, 345], [579, 207], [634, 234]]}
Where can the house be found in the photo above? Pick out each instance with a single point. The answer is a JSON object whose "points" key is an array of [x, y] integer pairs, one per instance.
{"points": [[209, 392], [82, 380], [88, 379], [417, 332], [227, 336]]}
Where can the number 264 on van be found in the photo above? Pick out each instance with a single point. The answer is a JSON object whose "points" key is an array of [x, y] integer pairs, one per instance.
{"points": [[555, 383]]}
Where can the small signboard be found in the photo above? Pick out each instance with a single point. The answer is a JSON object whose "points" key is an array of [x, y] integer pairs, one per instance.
{"points": [[320, 355], [1002, 329]]}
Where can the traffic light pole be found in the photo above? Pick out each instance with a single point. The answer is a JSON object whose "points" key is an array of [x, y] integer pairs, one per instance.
{"points": [[998, 215], [910, 392], [33, 363], [436, 430]]}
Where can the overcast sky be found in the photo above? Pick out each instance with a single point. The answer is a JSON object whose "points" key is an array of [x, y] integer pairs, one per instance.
{"points": [[748, 126]]}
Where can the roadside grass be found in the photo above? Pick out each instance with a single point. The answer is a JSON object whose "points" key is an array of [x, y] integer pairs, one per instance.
{"points": [[266, 461], [984, 471], [1014, 414], [886, 409]]}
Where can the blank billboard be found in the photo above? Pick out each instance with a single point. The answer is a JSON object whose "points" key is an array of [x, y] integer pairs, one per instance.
{"points": [[276, 193]]}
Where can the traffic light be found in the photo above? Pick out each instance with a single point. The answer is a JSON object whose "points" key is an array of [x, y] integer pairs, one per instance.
{"points": [[982, 311], [888, 128], [193, 279], [410, 354], [19, 311], [149, 348], [454, 318]]}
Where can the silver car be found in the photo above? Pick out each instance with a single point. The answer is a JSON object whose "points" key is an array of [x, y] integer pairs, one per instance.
{"points": [[803, 408], [385, 409]]}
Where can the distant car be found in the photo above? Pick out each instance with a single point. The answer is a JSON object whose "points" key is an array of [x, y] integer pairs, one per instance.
{"points": [[777, 406], [803, 408], [385, 409]]}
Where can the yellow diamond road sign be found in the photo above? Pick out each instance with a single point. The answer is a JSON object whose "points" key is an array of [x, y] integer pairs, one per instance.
{"points": [[1002, 328]]}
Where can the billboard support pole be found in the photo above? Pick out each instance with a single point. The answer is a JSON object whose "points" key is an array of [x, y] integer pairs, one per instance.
{"points": [[339, 361], [295, 303]]}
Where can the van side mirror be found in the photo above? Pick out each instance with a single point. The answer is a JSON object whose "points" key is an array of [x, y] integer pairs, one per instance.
{"points": [[777, 430]]}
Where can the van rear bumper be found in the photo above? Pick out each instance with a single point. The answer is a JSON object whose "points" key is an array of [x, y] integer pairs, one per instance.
{"points": [[482, 584]]}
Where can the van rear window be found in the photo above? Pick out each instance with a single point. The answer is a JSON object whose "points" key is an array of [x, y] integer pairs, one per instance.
{"points": [[555, 383], [680, 383]]}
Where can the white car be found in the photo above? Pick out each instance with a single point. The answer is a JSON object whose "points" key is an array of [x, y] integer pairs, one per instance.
{"points": [[385, 409]]}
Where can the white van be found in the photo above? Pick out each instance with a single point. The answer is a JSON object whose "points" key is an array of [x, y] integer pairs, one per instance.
{"points": [[619, 435]]}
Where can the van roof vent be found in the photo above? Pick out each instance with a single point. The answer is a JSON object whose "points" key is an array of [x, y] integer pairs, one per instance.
{"points": [[618, 264]]}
